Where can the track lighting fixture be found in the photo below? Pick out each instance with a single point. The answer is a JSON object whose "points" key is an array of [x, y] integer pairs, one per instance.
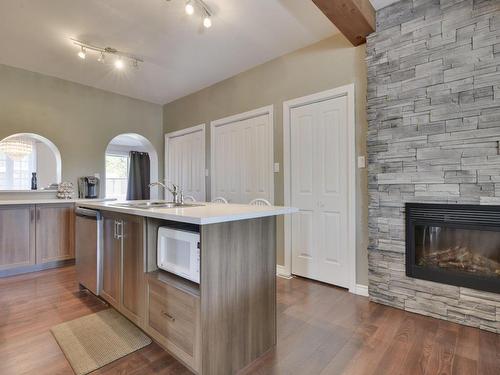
{"points": [[120, 57], [191, 6]]}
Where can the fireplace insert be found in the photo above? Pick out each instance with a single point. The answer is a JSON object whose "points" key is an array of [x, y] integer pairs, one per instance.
{"points": [[454, 244]]}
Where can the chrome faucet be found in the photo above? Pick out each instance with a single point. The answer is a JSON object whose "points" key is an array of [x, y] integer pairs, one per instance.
{"points": [[175, 190]]}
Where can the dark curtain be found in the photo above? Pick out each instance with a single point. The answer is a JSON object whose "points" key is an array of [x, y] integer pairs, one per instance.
{"points": [[138, 176]]}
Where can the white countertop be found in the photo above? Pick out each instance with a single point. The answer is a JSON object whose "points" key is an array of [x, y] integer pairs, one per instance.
{"points": [[39, 191], [208, 213], [48, 201]]}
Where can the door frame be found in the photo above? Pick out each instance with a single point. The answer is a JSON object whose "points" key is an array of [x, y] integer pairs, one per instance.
{"points": [[267, 110], [347, 91], [180, 133]]}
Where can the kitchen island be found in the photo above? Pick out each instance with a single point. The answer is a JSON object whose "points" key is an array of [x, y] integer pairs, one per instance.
{"points": [[218, 326]]}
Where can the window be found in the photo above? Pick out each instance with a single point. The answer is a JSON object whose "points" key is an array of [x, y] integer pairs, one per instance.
{"points": [[16, 174], [116, 176], [25, 153], [3, 172]]}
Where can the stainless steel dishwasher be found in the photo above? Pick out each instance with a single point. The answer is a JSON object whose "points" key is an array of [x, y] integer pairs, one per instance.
{"points": [[88, 249]]}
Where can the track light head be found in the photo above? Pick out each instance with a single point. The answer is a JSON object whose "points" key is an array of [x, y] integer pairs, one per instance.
{"points": [[82, 54], [189, 7], [207, 21], [119, 64]]}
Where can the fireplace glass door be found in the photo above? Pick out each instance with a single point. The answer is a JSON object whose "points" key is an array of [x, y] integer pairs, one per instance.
{"points": [[454, 244], [458, 249]]}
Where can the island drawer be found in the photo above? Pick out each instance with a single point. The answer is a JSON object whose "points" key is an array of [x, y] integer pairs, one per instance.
{"points": [[173, 315]]}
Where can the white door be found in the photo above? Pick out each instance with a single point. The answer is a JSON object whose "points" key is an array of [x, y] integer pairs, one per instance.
{"points": [[226, 151], [242, 159], [185, 161], [319, 181]]}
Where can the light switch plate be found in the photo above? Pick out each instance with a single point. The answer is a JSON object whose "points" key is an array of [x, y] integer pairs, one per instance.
{"points": [[361, 162], [206, 172], [276, 167]]}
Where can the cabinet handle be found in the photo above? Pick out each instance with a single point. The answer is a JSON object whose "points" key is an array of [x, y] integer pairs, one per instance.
{"points": [[120, 229], [170, 317]]}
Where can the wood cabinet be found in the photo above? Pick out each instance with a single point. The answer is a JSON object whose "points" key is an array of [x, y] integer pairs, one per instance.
{"points": [[173, 316], [111, 260], [132, 233], [123, 264], [55, 232], [17, 236], [36, 237], [219, 326]]}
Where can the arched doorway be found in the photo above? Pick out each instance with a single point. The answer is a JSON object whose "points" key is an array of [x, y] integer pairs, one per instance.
{"points": [[117, 159], [22, 154]]}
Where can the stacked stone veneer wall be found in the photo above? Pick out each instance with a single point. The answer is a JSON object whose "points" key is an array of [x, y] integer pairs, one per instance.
{"points": [[434, 128]]}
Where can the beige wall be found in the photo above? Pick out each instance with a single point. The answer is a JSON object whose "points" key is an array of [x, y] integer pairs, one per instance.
{"points": [[80, 120], [322, 66]]}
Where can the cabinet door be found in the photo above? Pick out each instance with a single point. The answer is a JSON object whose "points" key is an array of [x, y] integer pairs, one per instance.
{"points": [[133, 284], [55, 232], [111, 261], [17, 236]]}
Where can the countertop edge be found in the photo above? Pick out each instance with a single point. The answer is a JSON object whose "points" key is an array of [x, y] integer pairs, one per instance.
{"points": [[20, 202], [273, 211]]}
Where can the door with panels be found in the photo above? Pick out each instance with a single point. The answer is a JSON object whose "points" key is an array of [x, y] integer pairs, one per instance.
{"points": [[185, 161], [17, 236], [55, 232], [111, 259], [319, 179], [242, 158]]}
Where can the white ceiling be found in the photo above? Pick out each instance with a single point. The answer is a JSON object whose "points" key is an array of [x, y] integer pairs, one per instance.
{"points": [[180, 56], [127, 140]]}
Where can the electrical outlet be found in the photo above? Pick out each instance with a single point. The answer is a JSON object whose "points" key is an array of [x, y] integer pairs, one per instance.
{"points": [[361, 162]]}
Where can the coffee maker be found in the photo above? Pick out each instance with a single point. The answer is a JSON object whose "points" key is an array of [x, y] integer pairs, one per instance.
{"points": [[88, 187]]}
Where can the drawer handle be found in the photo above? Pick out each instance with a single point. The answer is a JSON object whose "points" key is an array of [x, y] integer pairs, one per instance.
{"points": [[170, 317]]}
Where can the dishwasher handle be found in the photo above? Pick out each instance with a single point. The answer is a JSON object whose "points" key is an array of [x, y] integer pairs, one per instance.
{"points": [[85, 212]]}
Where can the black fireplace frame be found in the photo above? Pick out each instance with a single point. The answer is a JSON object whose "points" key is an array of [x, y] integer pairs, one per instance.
{"points": [[484, 217]]}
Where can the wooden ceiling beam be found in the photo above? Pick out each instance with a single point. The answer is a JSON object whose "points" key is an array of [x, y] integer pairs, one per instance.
{"points": [[354, 18]]}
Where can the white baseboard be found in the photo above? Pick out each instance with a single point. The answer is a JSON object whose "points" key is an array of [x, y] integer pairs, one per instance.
{"points": [[361, 290], [281, 272]]}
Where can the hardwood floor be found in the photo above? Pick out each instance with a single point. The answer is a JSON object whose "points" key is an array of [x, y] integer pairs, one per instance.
{"points": [[321, 330]]}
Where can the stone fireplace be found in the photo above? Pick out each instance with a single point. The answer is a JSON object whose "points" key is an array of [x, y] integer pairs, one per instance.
{"points": [[454, 244], [433, 106]]}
